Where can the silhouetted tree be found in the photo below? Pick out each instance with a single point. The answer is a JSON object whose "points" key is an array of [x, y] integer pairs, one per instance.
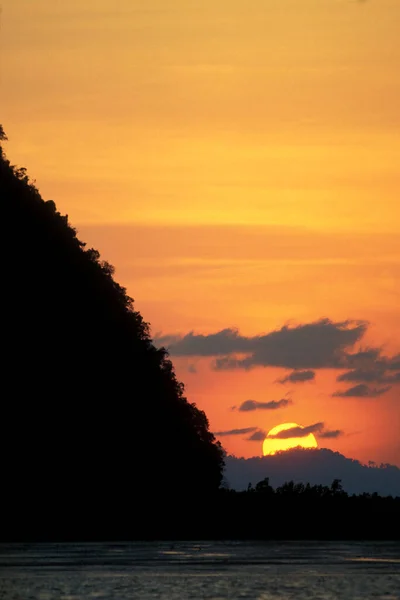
{"points": [[95, 426], [314, 465], [3, 136], [264, 487], [90, 407], [336, 487]]}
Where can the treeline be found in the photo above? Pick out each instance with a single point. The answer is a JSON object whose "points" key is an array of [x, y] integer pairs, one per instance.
{"points": [[300, 490], [316, 465], [304, 511], [98, 440], [289, 512], [92, 414]]}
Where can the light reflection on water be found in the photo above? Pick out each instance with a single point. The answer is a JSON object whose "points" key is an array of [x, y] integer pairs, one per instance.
{"points": [[209, 570]]}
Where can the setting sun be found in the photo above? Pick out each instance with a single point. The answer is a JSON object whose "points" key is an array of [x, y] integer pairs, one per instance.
{"points": [[239, 168], [273, 443]]}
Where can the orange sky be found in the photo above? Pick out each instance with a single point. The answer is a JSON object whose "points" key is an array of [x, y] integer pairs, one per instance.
{"points": [[239, 165]]}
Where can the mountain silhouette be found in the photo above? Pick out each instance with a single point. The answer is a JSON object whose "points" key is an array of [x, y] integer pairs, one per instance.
{"points": [[314, 466], [93, 417]]}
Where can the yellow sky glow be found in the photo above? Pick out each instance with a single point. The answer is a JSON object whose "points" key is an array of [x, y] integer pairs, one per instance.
{"points": [[273, 445], [238, 165]]}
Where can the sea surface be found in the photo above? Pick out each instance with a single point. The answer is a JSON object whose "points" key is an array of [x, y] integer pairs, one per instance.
{"points": [[194, 570]]}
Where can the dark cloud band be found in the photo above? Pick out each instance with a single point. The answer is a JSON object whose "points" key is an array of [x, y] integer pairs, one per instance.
{"points": [[243, 431], [298, 377], [251, 405], [320, 344], [297, 432], [361, 391]]}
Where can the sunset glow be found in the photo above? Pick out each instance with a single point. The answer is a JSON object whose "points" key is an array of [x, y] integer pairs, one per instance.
{"points": [[239, 166], [273, 445]]}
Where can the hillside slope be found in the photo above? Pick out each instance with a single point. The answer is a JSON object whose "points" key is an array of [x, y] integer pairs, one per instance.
{"points": [[92, 413]]}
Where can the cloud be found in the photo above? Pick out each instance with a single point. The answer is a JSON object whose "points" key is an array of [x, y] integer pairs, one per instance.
{"points": [[214, 344], [320, 344], [361, 391], [257, 436], [298, 432], [192, 368], [298, 377], [251, 405], [371, 366], [331, 434], [394, 363], [365, 356], [243, 431], [377, 373], [366, 375], [302, 348]]}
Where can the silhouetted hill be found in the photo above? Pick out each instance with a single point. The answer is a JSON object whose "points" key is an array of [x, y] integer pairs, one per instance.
{"points": [[93, 416], [98, 441], [314, 466]]}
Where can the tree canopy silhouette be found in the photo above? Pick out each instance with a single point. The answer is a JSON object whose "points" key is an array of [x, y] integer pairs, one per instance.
{"points": [[92, 412]]}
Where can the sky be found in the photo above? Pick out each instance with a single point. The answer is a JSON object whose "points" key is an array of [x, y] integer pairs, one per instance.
{"points": [[238, 163]]}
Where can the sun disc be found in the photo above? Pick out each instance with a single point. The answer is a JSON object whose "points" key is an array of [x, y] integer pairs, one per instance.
{"points": [[272, 445]]}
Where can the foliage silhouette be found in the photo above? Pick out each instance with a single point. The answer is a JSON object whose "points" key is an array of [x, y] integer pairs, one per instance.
{"points": [[92, 413], [314, 465], [289, 512], [304, 511], [98, 441]]}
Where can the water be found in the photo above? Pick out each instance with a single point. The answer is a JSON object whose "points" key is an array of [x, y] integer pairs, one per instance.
{"points": [[196, 570]]}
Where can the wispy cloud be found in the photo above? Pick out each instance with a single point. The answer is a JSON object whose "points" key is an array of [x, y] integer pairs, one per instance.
{"points": [[330, 434], [298, 377], [374, 373], [257, 436], [303, 348], [317, 429], [298, 432], [320, 344], [251, 405], [228, 432], [362, 391]]}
